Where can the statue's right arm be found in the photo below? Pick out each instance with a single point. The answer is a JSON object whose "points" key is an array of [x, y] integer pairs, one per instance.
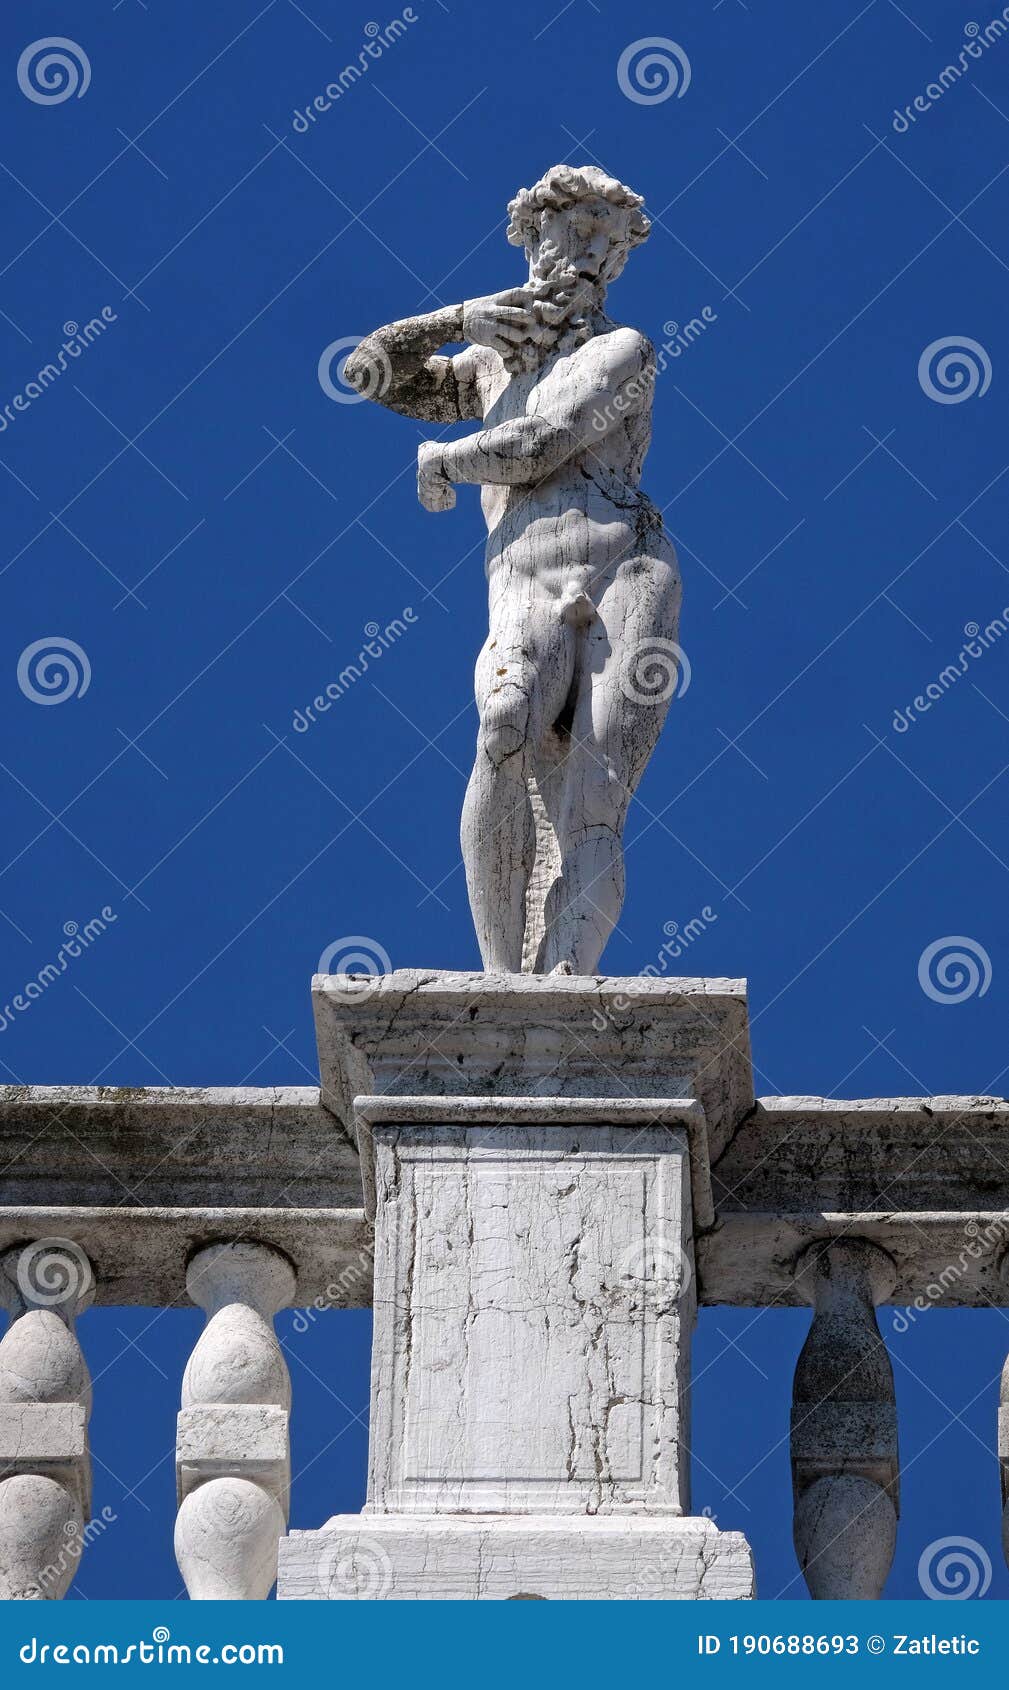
{"points": [[398, 366]]}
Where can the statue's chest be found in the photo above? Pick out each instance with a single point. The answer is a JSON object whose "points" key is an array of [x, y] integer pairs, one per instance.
{"points": [[526, 395]]}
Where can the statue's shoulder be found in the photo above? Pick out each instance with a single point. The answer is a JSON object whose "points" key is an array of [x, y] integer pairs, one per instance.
{"points": [[620, 347], [626, 339]]}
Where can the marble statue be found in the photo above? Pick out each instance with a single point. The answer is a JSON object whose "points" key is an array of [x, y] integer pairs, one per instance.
{"points": [[574, 681]]}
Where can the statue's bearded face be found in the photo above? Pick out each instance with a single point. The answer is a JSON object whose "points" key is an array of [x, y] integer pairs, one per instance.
{"points": [[586, 242]]}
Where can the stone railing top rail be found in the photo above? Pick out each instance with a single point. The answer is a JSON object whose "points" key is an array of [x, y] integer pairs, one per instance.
{"points": [[141, 1177], [926, 1178]]}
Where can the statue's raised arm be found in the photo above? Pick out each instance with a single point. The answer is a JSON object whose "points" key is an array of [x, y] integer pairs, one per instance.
{"points": [[574, 680]]}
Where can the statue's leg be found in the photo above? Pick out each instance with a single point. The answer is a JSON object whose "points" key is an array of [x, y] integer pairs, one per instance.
{"points": [[614, 730], [522, 678]]}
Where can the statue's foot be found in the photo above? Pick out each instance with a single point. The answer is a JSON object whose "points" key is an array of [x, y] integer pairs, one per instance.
{"points": [[562, 968]]}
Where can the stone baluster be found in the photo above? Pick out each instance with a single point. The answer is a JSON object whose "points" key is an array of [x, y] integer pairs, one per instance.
{"points": [[45, 1403], [845, 1471], [232, 1447], [1003, 1422]]}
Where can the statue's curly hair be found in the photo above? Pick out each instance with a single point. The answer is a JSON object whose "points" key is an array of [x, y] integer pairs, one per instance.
{"points": [[566, 184]]}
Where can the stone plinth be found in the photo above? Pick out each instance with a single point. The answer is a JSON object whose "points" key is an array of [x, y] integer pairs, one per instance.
{"points": [[466, 1558], [534, 1288], [499, 1036]]}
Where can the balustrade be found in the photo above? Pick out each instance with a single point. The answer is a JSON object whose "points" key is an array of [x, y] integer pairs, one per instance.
{"points": [[233, 1451], [45, 1403], [844, 1424], [474, 1124]]}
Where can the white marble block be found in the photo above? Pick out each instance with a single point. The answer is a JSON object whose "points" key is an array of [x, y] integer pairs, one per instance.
{"points": [[536, 1155], [473, 1557], [536, 1304]]}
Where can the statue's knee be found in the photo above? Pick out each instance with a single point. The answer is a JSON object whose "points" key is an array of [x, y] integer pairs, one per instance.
{"points": [[504, 724], [502, 739]]}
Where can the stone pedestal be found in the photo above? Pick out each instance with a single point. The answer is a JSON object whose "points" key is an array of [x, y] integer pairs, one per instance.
{"points": [[534, 1294]]}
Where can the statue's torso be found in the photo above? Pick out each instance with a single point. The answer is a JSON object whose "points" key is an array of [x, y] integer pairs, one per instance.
{"points": [[587, 517]]}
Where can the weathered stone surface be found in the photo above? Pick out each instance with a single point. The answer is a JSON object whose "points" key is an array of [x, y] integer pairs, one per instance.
{"points": [[609, 1558], [845, 1472], [211, 1439], [575, 678], [45, 1402], [624, 1112], [40, 1535], [534, 1304], [174, 1147], [922, 1178], [1003, 1421], [449, 1034], [46, 1437], [141, 1178], [140, 1255], [845, 1537], [237, 1359], [232, 1449], [226, 1536], [884, 1154], [905, 1172]]}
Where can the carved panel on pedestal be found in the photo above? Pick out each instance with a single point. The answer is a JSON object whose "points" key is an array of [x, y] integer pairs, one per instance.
{"points": [[542, 1305]]}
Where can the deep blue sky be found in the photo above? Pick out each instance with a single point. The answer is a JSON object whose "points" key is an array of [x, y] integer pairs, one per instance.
{"points": [[217, 580]]}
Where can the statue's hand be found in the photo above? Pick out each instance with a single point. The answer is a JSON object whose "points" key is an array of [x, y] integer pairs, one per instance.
{"points": [[434, 490], [501, 320]]}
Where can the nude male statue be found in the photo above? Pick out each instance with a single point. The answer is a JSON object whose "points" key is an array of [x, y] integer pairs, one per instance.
{"points": [[574, 681]]}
